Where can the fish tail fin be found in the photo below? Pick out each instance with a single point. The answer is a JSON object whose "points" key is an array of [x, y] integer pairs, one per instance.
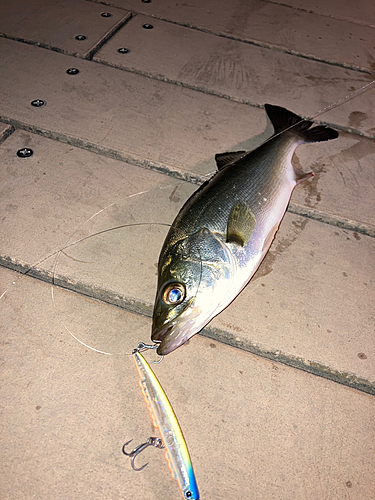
{"points": [[283, 119]]}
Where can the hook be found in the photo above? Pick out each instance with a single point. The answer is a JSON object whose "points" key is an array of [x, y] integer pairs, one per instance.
{"points": [[151, 441], [141, 346]]}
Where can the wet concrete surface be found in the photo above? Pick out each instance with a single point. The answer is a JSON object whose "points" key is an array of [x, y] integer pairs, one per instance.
{"points": [[276, 396]]}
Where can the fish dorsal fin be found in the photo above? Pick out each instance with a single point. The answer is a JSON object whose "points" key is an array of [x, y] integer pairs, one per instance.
{"points": [[241, 224], [223, 159], [283, 119]]}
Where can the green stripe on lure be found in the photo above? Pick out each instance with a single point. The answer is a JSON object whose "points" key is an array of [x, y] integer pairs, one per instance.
{"points": [[225, 229], [164, 419]]}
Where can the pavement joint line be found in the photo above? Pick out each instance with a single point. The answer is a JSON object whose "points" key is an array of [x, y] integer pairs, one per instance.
{"points": [[170, 81], [228, 36], [88, 56], [178, 83], [344, 378], [144, 309], [256, 43], [164, 79], [105, 151], [301, 9], [7, 133], [174, 173], [110, 34], [41, 45], [333, 220]]}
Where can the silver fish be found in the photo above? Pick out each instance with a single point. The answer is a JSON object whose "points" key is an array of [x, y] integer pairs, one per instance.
{"points": [[225, 229]]}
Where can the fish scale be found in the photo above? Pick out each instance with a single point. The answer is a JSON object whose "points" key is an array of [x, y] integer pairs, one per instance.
{"points": [[211, 207], [223, 232]]}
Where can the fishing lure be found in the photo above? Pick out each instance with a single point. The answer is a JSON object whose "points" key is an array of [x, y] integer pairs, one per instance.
{"points": [[164, 419]]}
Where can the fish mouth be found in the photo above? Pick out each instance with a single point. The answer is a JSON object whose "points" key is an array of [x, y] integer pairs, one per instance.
{"points": [[158, 334], [163, 350], [167, 345], [163, 338], [172, 336]]}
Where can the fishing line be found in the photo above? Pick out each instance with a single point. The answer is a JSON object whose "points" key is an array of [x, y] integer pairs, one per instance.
{"points": [[55, 271], [337, 103], [55, 252], [341, 101], [56, 281], [58, 252], [322, 111]]}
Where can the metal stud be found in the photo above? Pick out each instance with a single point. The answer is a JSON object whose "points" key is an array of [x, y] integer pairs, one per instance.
{"points": [[123, 50], [25, 153], [147, 26], [72, 71], [81, 37], [106, 14], [38, 103]]}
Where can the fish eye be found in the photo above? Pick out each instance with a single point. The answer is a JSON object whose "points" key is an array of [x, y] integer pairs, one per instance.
{"points": [[174, 294]]}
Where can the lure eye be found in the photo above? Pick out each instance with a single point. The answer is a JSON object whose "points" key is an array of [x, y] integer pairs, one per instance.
{"points": [[174, 294]]}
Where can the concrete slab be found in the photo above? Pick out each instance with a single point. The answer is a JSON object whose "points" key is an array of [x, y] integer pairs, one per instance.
{"points": [[50, 198], [151, 124], [128, 116], [361, 12], [67, 411], [56, 24], [241, 71], [255, 428], [91, 206], [310, 304], [269, 24], [343, 183], [314, 293]]}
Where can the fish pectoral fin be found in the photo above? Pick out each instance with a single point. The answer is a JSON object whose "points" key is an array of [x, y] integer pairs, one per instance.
{"points": [[301, 176], [241, 224], [223, 159]]}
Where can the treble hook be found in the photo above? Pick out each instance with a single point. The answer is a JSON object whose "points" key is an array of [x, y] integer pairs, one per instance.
{"points": [[151, 441], [141, 346]]}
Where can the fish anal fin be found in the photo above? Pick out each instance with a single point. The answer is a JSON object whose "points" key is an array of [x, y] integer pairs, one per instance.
{"points": [[270, 237], [302, 176], [241, 224], [223, 159]]}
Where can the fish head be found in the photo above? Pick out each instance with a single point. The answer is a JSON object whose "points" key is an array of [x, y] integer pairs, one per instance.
{"points": [[196, 274]]}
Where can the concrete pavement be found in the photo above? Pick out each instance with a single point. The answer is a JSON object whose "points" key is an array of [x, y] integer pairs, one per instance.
{"points": [[276, 396]]}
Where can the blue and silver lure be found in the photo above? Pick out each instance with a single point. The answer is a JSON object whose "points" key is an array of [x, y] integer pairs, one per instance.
{"points": [[164, 419]]}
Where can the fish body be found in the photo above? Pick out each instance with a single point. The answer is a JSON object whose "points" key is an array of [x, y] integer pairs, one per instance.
{"points": [[164, 419], [222, 233]]}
